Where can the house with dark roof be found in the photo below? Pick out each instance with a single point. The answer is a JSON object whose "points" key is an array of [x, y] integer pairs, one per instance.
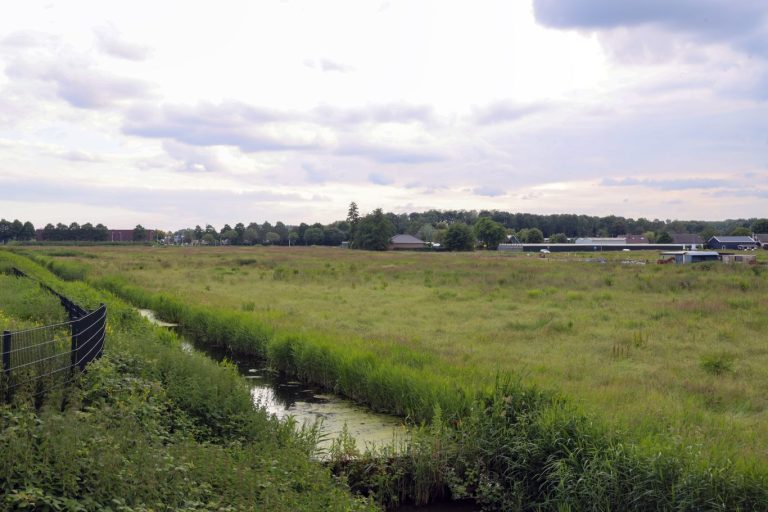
{"points": [[762, 239], [732, 242], [636, 239], [687, 239], [405, 242]]}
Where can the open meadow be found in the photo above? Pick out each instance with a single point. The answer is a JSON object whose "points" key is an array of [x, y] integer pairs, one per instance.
{"points": [[668, 356]]}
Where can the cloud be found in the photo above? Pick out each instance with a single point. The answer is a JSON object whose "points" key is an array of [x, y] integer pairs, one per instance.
{"points": [[28, 39], [192, 159], [676, 184], [327, 65], [506, 111], [78, 83], [380, 179], [231, 124], [488, 191], [387, 154], [108, 40], [741, 22], [80, 156], [384, 113], [178, 203], [315, 173]]}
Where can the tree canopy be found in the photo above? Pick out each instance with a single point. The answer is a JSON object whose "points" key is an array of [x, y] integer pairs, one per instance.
{"points": [[374, 232], [459, 237]]}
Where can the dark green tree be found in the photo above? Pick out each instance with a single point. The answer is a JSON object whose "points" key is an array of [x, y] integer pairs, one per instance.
{"points": [[741, 231], [489, 233], [664, 238], [353, 219], [139, 233], [533, 236], [374, 232], [760, 226], [558, 238], [313, 236], [28, 231], [459, 237]]}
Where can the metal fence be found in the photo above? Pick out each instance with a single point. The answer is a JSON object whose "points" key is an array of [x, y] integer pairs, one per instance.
{"points": [[44, 357]]}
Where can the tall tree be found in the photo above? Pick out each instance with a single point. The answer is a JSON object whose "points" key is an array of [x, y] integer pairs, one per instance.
{"points": [[459, 237], [139, 233], [489, 232], [374, 232], [353, 219]]}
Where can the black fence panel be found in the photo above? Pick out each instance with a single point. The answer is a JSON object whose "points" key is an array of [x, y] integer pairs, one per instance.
{"points": [[88, 333], [43, 357]]}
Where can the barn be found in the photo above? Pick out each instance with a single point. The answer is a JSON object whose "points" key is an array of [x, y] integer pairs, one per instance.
{"points": [[739, 243]]}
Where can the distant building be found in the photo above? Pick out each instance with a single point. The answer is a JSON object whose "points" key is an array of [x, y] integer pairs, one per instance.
{"points": [[682, 257], [732, 242], [635, 239], [601, 241], [762, 239], [688, 239], [126, 235], [400, 242], [746, 259]]}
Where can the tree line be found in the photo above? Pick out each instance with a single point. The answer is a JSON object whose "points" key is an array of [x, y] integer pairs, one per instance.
{"points": [[486, 228], [16, 230]]}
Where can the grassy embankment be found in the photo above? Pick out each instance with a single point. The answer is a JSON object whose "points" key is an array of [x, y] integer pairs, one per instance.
{"points": [[148, 427], [668, 358]]}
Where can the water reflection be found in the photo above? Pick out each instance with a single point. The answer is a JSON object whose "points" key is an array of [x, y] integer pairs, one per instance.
{"points": [[307, 405]]}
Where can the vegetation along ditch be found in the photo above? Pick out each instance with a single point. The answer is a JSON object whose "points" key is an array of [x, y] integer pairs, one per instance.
{"points": [[508, 447]]}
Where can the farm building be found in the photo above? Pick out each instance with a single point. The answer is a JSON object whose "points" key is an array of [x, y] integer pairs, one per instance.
{"points": [[688, 239], [747, 259], [601, 241], [762, 240], [732, 242], [511, 247], [636, 239], [682, 257], [400, 242]]}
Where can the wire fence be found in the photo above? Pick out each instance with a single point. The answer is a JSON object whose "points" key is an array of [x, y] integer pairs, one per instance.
{"points": [[40, 358]]}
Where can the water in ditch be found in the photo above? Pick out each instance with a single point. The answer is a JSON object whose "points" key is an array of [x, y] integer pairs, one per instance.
{"points": [[306, 404]]}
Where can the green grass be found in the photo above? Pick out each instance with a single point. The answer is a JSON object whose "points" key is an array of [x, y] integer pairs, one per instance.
{"points": [[557, 322], [426, 335], [148, 427]]}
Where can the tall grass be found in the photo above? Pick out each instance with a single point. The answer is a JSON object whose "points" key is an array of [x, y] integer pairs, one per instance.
{"points": [[148, 427], [513, 447]]}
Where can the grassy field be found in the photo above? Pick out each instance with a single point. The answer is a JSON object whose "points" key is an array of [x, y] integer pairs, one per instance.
{"points": [[148, 427], [668, 354]]}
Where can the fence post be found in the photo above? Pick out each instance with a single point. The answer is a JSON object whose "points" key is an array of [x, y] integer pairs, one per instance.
{"points": [[7, 352]]}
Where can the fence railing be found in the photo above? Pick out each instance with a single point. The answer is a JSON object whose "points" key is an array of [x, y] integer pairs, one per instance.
{"points": [[43, 357]]}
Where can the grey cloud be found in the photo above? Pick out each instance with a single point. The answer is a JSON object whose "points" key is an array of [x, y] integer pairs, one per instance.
{"points": [[192, 159], [390, 155], [742, 22], [501, 112], [80, 85], [109, 42], [229, 124], [678, 184], [380, 179], [488, 190], [181, 203], [28, 39], [316, 174], [80, 156]]}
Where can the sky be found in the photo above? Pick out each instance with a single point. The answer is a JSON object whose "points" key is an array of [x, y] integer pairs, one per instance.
{"points": [[170, 114]]}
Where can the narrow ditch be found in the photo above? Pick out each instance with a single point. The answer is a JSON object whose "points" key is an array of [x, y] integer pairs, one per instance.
{"points": [[284, 397], [307, 404]]}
